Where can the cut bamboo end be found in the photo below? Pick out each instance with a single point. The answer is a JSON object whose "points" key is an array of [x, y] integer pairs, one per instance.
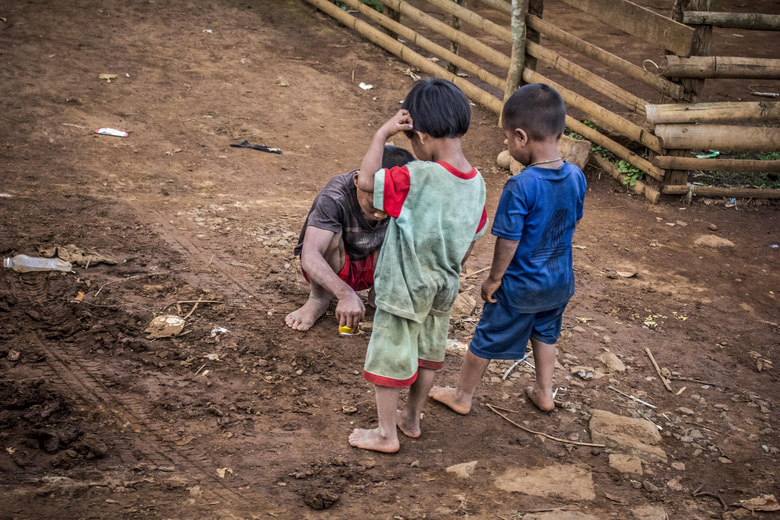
{"points": [[712, 191], [668, 162], [703, 67], [763, 112], [718, 137]]}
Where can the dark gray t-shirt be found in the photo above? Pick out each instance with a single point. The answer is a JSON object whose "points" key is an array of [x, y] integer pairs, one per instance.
{"points": [[335, 209]]}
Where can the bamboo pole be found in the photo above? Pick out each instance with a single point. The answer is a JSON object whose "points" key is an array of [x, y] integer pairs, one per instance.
{"points": [[588, 78], [711, 191], [499, 5], [425, 43], [640, 188], [719, 67], [474, 45], [662, 85], [517, 64], [717, 165], [474, 19], [743, 111], [393, 15], [622, 125], [718, 137], [754, 21], [621, 151], [406, 54]]}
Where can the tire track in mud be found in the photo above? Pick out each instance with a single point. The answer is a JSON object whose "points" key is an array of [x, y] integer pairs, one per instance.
{"points": [[83, 379]]}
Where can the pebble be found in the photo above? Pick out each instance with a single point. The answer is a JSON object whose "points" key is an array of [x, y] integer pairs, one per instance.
{"points": [[679, 466], [649, 486], [696, 434], [724, 460], [685, 411], [697, 452], [695, 397], [713, 227]]}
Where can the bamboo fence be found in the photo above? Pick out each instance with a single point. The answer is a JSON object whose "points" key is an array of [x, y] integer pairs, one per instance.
{"points": [[667, 130]]}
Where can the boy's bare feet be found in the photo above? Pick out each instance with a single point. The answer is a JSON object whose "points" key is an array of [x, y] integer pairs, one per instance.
{"points": [[373, 440], [304, 318], [448, 396], [407, 425], [543, 400]]}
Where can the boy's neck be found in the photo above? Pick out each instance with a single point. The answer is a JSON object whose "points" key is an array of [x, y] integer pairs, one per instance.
{"points": [[544, 154], [449, 150]]}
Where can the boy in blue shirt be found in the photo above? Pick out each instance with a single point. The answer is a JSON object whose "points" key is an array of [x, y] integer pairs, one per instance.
{"points": [[531, 279], [437, 210]]}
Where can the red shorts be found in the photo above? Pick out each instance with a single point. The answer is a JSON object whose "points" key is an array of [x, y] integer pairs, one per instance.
{"points": [[358, 274]]}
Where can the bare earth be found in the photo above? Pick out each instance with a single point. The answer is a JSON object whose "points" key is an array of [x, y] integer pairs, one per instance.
{"points": [[100, 422]]}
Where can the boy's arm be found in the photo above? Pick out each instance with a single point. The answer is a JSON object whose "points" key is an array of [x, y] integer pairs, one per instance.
{"points": [[502, 257], [349, 309], [372, 161]]}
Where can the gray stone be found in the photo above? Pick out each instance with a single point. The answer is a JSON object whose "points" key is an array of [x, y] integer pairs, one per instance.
{"points": [[648, 512], [626, 464], [504, 159], [612, 362], [635, 436], [567, 482], [685, 411], [650, 487]]}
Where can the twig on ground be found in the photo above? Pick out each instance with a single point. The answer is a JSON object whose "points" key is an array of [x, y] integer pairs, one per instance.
{"points": [[201, 368], [679, 378], [178, 303], [699, 493], [635, 399], [475, 273], [649, 420], [658, 370], [707, 428], [75, 126], [193, 309], [509, 370], [130, 278], [565, 441]]}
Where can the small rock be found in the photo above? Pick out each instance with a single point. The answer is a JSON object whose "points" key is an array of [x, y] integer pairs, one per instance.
{"points": [[696, 435], [349, 410], [463, 470], [674, 484], [679, 466], [319, 499], [415, 464], [612, 362], [577, 328], [368, 464], [713, 241], [713, 227], [650, 487], [724, 460], [685, 411], [504, 160], [626, 464]]}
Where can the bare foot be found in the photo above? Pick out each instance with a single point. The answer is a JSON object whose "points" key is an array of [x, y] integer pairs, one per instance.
{"points": [[449, 396], [373, 440], [407, 425], [304, 318], [543, 400]]}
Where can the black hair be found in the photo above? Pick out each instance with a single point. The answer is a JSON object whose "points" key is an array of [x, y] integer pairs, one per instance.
{"points": [[395, 156], [438, 108], [536, 108]]}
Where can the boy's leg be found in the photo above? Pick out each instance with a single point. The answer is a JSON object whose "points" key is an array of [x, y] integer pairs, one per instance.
{"points": [[540, 392], [319, 297], [409, 417], [384, 437], [459, 398]]}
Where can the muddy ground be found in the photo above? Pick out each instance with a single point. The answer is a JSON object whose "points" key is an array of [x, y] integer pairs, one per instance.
{"points": [[238, 417]]}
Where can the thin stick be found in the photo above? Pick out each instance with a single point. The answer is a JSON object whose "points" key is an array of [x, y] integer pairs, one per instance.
{"points": [[545, 434], [192, 310], [201, 368], [707, 428], [475, 273], [635, 399], [674, 378], [649, 420], [74, 126], [699, 493], [130, 278], [509, 370], [658, 370]]}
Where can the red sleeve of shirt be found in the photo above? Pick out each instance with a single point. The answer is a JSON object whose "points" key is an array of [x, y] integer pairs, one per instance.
{"points": [[482, 221], [397, 182]]}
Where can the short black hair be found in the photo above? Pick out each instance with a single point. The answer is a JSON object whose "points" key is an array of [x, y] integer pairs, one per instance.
{"points": [[395, 156], [438, 108], [536, 108]]}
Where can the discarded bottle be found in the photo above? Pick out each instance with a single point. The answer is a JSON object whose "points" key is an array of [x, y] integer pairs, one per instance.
{"points": [[27, 264]]}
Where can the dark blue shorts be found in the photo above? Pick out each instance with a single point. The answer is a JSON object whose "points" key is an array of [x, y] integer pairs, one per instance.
{"points": [[504, 334]]}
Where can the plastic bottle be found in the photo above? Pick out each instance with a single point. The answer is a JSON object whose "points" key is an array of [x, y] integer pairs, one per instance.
{"points": [[26, 264]]}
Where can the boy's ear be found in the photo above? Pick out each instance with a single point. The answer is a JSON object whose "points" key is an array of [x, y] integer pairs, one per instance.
{"points": [[422, 136], [521, 135]]}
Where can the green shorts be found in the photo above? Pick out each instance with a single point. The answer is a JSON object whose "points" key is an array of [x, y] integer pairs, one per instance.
{"points": [[398, 346]]}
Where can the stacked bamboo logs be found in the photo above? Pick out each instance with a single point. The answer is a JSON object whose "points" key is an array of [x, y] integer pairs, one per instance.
{"points": [[752, 21], [706, 67]]}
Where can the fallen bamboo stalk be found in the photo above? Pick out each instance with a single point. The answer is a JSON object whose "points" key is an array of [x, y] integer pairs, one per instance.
{"points": [[635, 399], [668, 162], [718, 137], [425, 43], [752, 21], [640, 188], [477, 47], [130, 278], [658, 370], [680, 378], [713, 191], [620, 124], [719, 67], [621, 151], [545, 435], [743, 111], [662, 85], [405, 53], [587, 77]]}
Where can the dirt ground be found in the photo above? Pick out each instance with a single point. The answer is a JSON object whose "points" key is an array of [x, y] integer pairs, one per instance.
{"points": [[237, 416]]}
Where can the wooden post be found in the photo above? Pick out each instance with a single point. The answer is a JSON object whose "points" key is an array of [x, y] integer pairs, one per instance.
{"points": [[515, 74], [535, 8], [455, 46], [393, 15]]}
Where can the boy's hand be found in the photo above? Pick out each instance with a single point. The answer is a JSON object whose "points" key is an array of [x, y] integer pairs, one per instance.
{"points": [[350, 310], [401, 121], [489, 287]]}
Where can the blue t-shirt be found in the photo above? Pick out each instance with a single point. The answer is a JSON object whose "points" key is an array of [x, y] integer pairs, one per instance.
{"points": [[540, 207]]}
